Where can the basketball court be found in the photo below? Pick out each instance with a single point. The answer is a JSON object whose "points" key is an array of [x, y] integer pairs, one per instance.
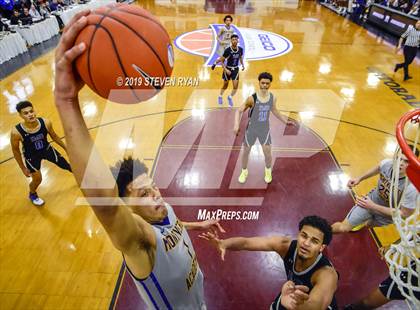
{"points": [[333, 77]]}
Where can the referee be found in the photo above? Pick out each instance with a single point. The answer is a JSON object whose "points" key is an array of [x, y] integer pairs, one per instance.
{"points": [[410, 48]]}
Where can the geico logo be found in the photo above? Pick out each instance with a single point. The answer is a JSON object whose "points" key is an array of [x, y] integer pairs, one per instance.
{"points": [[266, 42]]}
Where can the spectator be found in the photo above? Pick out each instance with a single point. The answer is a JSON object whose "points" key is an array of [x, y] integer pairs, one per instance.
{"points": [[25, 17], [34, 13], [414, 10], [44, 10], [14, 19], [403, 6]]}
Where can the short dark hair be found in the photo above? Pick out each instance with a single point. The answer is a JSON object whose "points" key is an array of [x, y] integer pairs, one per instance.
{"points": [[234, 36], [226, 17], [125, 171], [265, 75], [319, 223], [23, 104]]}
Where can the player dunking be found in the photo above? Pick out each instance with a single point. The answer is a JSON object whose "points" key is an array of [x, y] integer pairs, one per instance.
{"points": [[32, 133], [157, 250], [260, 104], [233, 55], [303, 260], [225, 34]]}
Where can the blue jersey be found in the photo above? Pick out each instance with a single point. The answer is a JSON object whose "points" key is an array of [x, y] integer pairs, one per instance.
{"points": [[232, 56]]}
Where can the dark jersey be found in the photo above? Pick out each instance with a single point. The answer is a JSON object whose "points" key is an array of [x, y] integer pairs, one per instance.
{"points": [[36, 142], [232, 56], [303, 277]]}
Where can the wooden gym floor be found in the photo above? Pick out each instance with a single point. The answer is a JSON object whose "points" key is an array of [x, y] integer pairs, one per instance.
{"points": [[58, 256]]}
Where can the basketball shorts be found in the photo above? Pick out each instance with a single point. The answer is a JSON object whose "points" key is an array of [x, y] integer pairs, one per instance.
{"points": [[33, 161], [389, 288], [234, 74], [359, 215], [263, 137]]}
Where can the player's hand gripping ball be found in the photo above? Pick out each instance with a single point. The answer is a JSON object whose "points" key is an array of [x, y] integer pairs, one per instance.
{"points": [[128, 53]]}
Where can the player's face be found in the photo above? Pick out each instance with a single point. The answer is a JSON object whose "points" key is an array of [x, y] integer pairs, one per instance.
{"points": [[228, 21], [148, 201], [28, 114], [265, 84], [418, 24], [309, 242], [403, 164], [234, 41]]}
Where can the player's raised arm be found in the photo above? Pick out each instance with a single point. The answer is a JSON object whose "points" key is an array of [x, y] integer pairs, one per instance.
{"points": [[355, 181], [89, 169], [279, 244]]}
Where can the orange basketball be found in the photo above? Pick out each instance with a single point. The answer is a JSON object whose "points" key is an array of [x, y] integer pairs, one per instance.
{"points": [[128, 53]]}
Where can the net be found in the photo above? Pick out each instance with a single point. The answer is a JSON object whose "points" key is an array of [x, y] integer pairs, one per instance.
{"points": [[403, 258]]}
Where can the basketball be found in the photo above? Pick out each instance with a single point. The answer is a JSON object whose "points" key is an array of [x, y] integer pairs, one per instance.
{"points": [[128, 54]]}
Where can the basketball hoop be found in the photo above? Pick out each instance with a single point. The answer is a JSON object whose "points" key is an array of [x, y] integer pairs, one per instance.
{"points": [[404, 258]]}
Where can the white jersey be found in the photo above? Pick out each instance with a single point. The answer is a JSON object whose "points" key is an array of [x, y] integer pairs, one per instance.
{"points": [[226, 34], [176, 281]]}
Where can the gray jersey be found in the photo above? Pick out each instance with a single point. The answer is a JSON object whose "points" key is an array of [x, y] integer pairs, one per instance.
{"points": [[176, 281], [382, 192], [259, 115]]}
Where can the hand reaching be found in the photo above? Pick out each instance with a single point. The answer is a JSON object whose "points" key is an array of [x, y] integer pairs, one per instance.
{"points": [[213, 238], [212, 225], [352, 183], [292, 296]]}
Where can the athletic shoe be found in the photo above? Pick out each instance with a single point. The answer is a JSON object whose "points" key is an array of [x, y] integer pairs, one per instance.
{"points": [[35, 199], [358, 227], [220, 100], [268, 177], [243, 176], [396, 68], [213, 66], [230, 101], [407, 78]]}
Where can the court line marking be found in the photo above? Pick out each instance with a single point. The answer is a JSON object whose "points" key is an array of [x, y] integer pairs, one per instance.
{"points": [[218, 108]]}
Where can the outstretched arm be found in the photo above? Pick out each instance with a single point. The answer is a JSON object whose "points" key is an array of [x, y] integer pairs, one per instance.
{"points": [[90, 171], [353, 182], [204, 225], [279, 244]]}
